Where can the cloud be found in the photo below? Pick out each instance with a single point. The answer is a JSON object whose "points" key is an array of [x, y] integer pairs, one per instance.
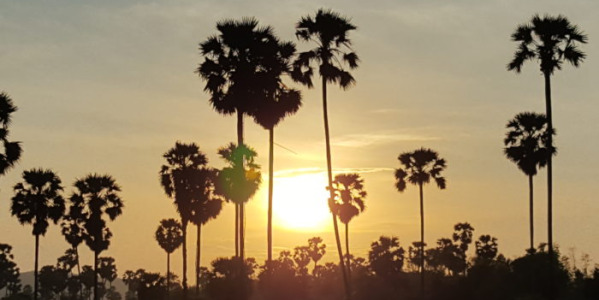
{"points": [[316, 170], [362, 140]]}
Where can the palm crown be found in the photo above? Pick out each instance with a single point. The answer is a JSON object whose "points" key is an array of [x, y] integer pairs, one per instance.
{"points": [[169, 235], [526, 140], [329, 30], [275, 108], [12, 150], [551, 40], [349, 196], [239, 181], [419, 167], [38, 199]]}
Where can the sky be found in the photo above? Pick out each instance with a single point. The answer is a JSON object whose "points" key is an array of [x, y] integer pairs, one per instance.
{"points": [[109, 86]]}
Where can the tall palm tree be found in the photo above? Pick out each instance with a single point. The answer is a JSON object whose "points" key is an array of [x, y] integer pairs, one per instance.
{"points": [[206, 205], [175, 177], [329, 31], [238, 66], [525, 145], [282, 103], [551, 41], [12, 150], [73, 229], [169, 236], [97, 196], [37, 200], [348, 203], [418, 168]]}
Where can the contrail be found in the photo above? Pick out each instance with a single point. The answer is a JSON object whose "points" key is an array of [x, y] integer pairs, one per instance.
{"points": [[286, 148]]}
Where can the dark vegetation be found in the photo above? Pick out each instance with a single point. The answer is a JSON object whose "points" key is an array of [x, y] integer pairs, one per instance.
{"points": [[245, 68]]}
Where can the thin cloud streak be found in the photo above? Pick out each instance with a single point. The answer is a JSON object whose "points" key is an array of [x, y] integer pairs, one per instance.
{"points": [[315, 170], [362, 140]]}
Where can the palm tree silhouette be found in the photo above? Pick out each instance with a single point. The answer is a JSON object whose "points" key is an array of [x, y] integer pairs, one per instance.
{"points": [[37, 200], [283, 102], [72, 228], [329, 31], [169, 236], [206, 205], [97, 196], [238, 67], [348, 203], [525, 145], [417, 168], [175, 177], [12, 150], [552, 41]]}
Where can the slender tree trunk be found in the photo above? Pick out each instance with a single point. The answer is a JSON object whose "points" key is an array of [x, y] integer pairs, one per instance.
{"points": [[78, 272], [236, 230], [531, 212], [549, 182], [271, 142], [421, 241], [96, 296], [347, 251], [332, 193], [168, 275], [241, 232], [239, 206], [198, 243], [184, 281], [35, 273]]}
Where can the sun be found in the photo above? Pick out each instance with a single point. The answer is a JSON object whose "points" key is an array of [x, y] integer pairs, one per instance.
{"points": [[300, 202]]}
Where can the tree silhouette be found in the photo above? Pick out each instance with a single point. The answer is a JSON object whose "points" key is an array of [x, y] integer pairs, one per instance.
{"points": [[169, 236], [348, 202], [238, 68], [183, 161], [418, 167], [386, 256], [551, 41], [12, 150], [72, 228], [525, 145], [281, 102], [97, 196], [9, 272], [316, 249], [329, 31], [37, 200], [206, 205]]}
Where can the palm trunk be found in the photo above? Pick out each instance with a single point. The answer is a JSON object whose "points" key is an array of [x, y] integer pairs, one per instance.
{"points": [[239, 241], [184, 281], [241, 232], [347, 251], [198, 260], [332, 193], [96, 296], [271, 132], [549, 146], [531, 207], [168, 277], [35, 273], [421, 241], [236, 230], [78, 272]]}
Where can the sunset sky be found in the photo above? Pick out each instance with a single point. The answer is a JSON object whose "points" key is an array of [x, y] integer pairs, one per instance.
{"points": [[109, 86]]}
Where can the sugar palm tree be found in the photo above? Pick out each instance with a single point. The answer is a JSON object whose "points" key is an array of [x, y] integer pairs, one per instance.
{"points": [[418, 168], [551, 41], [525, 145], [333, 53], [72, 228], [12, 150], [97, 196], [238, 66], [206, 205], [348, 203], [183, 160], [269, 114], [37, 201], [170, 237]]}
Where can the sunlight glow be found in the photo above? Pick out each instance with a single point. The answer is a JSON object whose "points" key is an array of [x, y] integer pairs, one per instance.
{"points": [[300, 202]]}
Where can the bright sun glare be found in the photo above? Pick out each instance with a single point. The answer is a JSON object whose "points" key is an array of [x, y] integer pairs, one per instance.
{"points": [[300, 202]]}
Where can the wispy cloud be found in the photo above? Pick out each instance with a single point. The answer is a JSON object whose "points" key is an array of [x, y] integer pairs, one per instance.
{"points": [[362, 140]]}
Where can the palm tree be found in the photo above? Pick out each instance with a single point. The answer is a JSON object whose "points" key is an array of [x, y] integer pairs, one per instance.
{"points": [[97, 196], [183, 160], [348, 203], [284, 102], [551, 41], [329, 31], [37, 200], [206, 205], [169, 236], [316, 249], [12, 150], [417, 168], [73, 229], [238, 67], [525, 145]]}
